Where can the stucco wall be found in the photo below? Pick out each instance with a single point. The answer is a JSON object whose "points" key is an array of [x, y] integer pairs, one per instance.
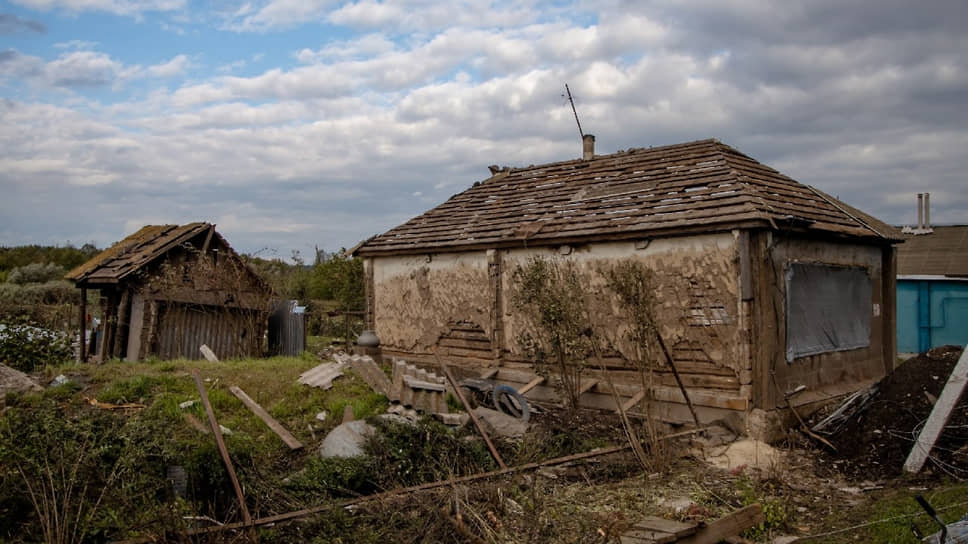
{"points": [[696, 282], [415, 298], [697, 288]]}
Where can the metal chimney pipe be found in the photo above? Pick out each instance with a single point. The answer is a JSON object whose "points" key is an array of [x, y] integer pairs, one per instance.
{"points": [[927, 210], [588, 147], [920, 211]]}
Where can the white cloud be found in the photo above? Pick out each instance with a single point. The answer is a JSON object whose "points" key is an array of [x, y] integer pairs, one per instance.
{"points": [[117, 7], [174, 67]]}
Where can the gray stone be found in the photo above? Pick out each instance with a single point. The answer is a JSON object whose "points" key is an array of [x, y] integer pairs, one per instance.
{"points": [[14, 380], [500, 424], [347, 440]]}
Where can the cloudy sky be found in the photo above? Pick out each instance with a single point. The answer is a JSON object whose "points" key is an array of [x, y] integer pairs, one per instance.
{"points": [[295, 123]]}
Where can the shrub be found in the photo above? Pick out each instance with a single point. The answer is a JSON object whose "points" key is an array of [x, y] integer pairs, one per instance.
{"points": [[25, 347], [35, 273]]}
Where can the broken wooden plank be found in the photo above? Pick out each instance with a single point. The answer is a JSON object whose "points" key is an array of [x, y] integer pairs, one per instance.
{"points": [[222, 450], [477, 423], [531, 385], [490, 374], [276, 427], [646, 536], [586, 387], [939, 415], [208, 353], [633, 401], [730, 525], [678, 528]]}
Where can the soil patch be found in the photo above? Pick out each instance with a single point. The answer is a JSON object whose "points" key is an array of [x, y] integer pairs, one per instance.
{"points": [[874, 442]]}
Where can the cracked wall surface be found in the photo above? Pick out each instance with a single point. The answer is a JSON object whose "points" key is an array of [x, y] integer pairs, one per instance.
{"points": [[416, 298]]}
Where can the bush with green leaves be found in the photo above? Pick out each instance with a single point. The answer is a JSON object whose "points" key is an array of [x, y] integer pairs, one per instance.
{"points": [[25, 347], [35, 273]]}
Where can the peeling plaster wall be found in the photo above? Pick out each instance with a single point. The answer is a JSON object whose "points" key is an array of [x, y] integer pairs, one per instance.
{"points": [[697, 292], [415, 300]]}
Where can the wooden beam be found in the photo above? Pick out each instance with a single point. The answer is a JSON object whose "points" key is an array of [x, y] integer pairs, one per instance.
{"points": [[531, 385], [477, 423], [675, 373], [276, 427], [223, 451], [730, 525], [490, 374], [586, 387], [633, 401], [82, 352], [208, 239], [939, 415]]}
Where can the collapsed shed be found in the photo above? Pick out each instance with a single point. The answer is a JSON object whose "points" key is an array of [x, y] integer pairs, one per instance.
{"points": [[167, 289], [763, 284]]}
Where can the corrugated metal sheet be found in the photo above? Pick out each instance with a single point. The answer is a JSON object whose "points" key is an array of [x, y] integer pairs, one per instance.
{"points": [[287, 329], [322, 375], [704, 185], [184, 328]]}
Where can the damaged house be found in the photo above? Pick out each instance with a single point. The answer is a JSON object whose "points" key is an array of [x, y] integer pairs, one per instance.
{"points": [[167, 289], [762, 284]]}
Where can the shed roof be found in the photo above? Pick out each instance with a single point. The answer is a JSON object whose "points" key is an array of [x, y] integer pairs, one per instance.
{"points": [[943, 252], [698, 186], [134, 252]]}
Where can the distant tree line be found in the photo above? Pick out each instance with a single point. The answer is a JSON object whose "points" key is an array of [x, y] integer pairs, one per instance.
{"points": [[38, 264]]}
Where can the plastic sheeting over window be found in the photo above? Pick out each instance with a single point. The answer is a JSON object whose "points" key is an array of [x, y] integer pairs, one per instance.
{"points": [[828, 309]]}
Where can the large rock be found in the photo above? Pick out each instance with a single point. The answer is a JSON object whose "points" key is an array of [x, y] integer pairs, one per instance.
{"points": [[12, 380], [500, 424], [347, 440]]}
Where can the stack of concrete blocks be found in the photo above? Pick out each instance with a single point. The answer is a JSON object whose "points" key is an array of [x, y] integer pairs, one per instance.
{"points": [[418, 389]]}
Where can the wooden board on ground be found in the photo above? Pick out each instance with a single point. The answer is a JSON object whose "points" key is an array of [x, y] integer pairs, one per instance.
{"points": [[733, 524], [276, 427]]}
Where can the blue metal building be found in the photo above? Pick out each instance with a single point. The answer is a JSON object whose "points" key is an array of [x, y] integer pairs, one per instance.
{"points": [[932, 289]]}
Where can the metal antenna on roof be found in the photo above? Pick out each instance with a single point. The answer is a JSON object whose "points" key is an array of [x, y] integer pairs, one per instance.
{"points": [[567, 90]]}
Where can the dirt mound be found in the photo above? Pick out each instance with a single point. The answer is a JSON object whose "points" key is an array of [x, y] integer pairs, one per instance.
{"points": [[874, 442]]}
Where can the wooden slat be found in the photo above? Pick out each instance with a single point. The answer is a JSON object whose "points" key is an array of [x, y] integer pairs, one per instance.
{"points": [[531, 385], [634, 400], [276, 427], [677, 528], [733, 524]]}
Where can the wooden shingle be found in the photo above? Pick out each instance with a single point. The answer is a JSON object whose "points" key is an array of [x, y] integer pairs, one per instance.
{"points": [[700, 186]]}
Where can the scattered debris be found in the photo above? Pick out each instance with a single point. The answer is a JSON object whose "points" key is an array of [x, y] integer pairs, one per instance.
{"points": [[12, 380], [187, 404], [321, 416], [276, 427], [874, 442], [418, 388], [653, 530], [467, 407], [501, 424], [208, 353], [60, 379], [196, 424], [322, 376], [347, 440], [940, 415], [109, 406], [453, 420], [365, 367], [747, 452], [512, 402]]}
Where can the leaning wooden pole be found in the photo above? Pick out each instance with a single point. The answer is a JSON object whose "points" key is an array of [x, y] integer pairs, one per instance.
{"points": [[223, 451], [477, 423], [675, 373], [82, 351]]}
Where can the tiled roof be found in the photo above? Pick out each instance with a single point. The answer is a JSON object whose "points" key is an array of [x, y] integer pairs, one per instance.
{"points": [[944, 252], [134, 252], [697, 186]]}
